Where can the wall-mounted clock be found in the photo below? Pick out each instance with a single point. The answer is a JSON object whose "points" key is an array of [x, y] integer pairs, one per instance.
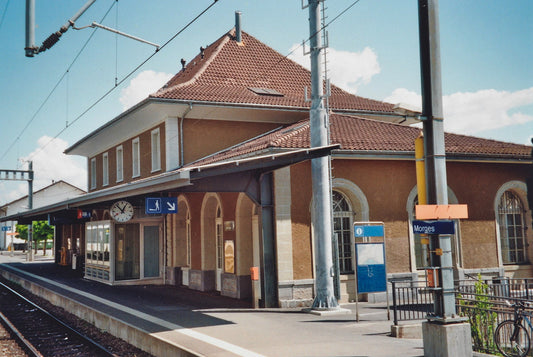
{"points": [[121, 211]]}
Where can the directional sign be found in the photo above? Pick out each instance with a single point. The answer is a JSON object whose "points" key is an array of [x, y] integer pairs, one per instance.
{"points": [[159, 205], [169, 204], [368, 231], [433, 227], [6, 228]]}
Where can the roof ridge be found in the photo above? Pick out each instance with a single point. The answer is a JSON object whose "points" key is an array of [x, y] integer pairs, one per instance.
{"points": [[222, 41], [287, 133]]}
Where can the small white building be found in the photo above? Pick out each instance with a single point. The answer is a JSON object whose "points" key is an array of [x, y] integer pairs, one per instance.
{"points": [[56, 192]]}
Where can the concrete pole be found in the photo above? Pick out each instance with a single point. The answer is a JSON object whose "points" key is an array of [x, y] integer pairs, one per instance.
{"points": [[320, 172]]}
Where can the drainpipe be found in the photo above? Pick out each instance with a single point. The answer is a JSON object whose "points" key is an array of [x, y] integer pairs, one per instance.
{"points": [[182, 118]]}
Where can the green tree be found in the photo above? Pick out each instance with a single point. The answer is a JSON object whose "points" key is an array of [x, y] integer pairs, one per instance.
{"points": [[42, 232]]}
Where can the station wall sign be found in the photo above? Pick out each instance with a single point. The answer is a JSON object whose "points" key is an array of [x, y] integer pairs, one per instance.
{"points": [[161, 205], [6, 228], [370, 266], [433, 227], [361, 231]]}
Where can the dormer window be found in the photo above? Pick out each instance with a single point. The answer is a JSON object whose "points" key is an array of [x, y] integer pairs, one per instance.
{"points": [[266, 91]]}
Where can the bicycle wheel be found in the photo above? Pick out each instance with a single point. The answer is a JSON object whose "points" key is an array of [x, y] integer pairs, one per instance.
{"points": [[509, 346]]}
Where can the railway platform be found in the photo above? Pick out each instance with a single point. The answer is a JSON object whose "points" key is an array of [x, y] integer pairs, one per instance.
{"points": [[176, 321]]}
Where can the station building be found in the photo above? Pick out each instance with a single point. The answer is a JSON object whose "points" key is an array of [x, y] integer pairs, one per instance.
{"points": [[210, 177]]}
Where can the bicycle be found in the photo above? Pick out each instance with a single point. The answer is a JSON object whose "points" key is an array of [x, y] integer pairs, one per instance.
{"points": [[511, 336]]}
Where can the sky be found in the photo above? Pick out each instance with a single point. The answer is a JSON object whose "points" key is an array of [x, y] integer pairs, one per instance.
{"points": [[52, 100]]}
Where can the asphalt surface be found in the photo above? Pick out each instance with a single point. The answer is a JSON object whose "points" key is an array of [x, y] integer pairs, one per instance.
{"points": [[212, 325]]}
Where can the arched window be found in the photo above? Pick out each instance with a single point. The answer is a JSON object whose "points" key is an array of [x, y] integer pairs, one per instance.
{"points": [[512, 228], [342, 226]]}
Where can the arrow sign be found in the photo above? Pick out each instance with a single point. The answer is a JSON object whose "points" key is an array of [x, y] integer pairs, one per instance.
{"points": [[170, 204], [161, 205]]}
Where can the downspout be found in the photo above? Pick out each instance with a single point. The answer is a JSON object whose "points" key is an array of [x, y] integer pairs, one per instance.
{"points": [[182, 118]]}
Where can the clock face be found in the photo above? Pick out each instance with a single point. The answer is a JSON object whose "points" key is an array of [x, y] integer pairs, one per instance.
{"points": [[121, 211]]}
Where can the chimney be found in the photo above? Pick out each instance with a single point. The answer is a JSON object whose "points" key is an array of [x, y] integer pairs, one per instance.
{"points": [[238, 33]]}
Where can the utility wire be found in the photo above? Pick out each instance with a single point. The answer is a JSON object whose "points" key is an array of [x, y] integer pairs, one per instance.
{"points": [[4, 14], [54, 88], [263, 74], [126, 77]]}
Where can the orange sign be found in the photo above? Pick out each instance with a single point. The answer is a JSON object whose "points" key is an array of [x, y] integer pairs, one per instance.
{"points": [[441, 211], [12, 234]]}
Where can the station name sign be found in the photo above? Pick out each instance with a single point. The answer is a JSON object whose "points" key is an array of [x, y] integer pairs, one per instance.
{"points": [[433, 227]]}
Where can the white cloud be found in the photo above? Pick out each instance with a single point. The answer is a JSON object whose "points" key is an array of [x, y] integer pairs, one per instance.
{"points": [[145, 83], [406, 99], [472, 112], [347, 70], [486, 109]]}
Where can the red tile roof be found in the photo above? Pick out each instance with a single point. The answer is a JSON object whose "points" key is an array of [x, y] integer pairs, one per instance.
{"points": [[365, 135], [227, 70]]}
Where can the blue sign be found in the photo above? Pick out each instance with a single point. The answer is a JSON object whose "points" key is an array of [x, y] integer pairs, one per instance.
{"points": [[6, 228], [159, 205], [368, 231], [371, 271], [433, 227]]}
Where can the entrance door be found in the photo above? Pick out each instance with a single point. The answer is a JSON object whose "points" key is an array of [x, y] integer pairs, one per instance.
{"points": [[127, 263], [151, 251], [219, 250]]}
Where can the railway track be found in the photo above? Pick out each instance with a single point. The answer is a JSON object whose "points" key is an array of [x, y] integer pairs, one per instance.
{"points": [[40, 333]]}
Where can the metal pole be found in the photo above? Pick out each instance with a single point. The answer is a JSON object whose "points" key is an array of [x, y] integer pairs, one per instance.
{"points": [[320, 173], [432, 114], [30, 207], [30, 28]]}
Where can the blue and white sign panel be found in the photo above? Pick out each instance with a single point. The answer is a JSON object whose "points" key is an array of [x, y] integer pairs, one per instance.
{"points": [[6, 228], [161, 205], [361, 231], [371, 271], [433, 227]]}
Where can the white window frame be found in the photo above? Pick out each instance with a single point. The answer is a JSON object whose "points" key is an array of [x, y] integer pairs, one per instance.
{"points": [[135, 158], [105, 169], [93, 173], [120, 163], [512, 219], [342, 215], [156, 150]]}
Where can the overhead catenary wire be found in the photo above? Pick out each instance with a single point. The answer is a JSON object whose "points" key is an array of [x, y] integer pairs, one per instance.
{"points": [[126, 77], [90, 107], [17, 138], [322, 28], [4, 14], [107, 92]]}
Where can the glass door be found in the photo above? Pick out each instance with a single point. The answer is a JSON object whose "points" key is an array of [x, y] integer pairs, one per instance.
{"points": [[127, 248], [151, 251]]}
